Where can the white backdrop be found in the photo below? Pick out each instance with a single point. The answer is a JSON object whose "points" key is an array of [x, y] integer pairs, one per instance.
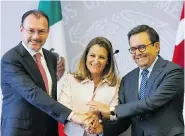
{"points": [[85, 20]]}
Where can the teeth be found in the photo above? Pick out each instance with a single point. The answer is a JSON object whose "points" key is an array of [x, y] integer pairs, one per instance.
{"points": [[35, 41], [94, 66]]}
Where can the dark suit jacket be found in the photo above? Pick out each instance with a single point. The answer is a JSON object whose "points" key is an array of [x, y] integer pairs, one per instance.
{"points": [[27, 110], [160, 113]]}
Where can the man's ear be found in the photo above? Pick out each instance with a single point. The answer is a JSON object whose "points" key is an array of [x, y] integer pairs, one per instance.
{"points": [[157, 45], [21, 28]]}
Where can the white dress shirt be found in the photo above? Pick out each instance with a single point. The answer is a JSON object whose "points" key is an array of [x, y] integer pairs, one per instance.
{"points": [[149, 69], [44, 64]]}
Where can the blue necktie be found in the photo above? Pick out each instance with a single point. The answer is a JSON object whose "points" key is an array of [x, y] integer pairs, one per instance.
{"points": [[143, 84]]}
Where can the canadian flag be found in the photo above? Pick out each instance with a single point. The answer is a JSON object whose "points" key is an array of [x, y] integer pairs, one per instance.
{"points": [[178, 56]]}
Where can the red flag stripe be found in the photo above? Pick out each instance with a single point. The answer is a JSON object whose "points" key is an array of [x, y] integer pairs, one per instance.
{"points": [[61, 129], [178, 57]]}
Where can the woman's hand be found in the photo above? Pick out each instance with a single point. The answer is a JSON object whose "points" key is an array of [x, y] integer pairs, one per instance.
{"points": [[101, 107]]}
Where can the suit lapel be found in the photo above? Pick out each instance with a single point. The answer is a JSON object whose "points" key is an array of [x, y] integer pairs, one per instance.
{"points": [[157, 69], [30, 66], [134, 85]]}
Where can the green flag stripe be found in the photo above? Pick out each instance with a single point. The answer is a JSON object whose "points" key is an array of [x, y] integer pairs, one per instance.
{"points": [[52, 9]]}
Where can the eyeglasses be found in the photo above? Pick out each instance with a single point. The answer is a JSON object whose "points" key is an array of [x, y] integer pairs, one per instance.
{"points": [[141, 48], [32, 31]]}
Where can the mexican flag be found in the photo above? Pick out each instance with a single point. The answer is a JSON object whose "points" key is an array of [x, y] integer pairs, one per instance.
{"points": [[56, 40]]}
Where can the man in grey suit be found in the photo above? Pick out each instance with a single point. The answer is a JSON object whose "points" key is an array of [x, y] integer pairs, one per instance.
{"points": [[29, 84], [151, 96]]}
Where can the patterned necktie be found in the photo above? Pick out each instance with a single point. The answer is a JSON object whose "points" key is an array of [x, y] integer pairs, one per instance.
{"points": [[42, 71], [143, 84]]}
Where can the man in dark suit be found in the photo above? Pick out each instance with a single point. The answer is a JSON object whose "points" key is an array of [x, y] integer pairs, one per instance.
{"points": [[29, 84], [151, 96]]}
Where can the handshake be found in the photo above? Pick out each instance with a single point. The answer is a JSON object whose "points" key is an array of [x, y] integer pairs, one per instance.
{"points": [[92, 120]]}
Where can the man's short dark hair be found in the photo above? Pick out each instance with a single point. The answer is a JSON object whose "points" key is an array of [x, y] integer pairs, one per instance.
{"points": [[36, 13], [153, 35]]}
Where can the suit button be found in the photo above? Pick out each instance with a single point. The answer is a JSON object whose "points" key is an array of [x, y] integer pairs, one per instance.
{"points": [[141, 118], [55, 114]]}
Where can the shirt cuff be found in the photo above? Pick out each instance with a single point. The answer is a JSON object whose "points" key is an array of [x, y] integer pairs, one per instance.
{"points": [[70, 116], [113, 117]]}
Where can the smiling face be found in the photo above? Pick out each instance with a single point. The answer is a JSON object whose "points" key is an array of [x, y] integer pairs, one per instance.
{"points": [[96, 60], [34, 41], [144, 59]]}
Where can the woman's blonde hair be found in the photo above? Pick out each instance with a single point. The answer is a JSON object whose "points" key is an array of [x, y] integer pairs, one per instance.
{"points": [[109, 72]]}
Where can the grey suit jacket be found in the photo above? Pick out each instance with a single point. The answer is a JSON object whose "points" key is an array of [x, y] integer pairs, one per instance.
{"points": [[27, 110], [160, 113]]}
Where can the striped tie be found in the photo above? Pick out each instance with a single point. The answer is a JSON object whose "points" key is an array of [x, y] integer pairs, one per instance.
{"points": [[144, 81]]}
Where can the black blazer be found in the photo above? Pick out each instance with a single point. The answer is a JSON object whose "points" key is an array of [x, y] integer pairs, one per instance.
{"points": [[27, 110], [160, 113]]}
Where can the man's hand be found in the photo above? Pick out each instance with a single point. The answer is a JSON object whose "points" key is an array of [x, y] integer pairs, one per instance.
{"points": [[103, 108], [97, 129], [60, 67], [93, 126], [81, 119]]}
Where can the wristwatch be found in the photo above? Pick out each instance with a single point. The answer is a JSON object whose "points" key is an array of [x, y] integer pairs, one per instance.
{"points": [[112, 110], [113, 113]]}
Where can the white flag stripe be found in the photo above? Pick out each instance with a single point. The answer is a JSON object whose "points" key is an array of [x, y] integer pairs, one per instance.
{"points": [[56, 40], [180, 32]]}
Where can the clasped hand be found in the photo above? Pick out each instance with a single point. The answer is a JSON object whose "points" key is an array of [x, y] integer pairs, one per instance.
{"points": [[92, 126], [89, 121]]}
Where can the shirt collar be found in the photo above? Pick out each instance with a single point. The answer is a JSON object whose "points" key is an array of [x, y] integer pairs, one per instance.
{"points": [[32, 53], [88, 80], [151, 67]]}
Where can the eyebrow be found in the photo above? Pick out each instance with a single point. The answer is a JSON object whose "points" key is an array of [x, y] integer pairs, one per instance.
{"points": [[137, 45], [36, 29]]}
